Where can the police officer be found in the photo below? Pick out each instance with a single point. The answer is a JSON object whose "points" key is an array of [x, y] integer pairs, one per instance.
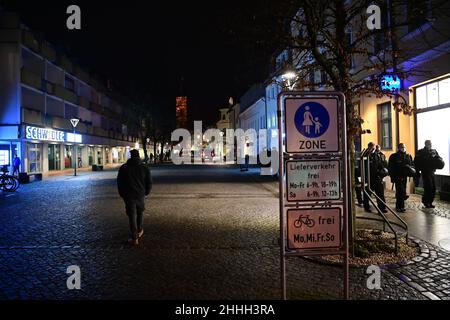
{"points": [[377, 170], [400, 168], [427, 160]]}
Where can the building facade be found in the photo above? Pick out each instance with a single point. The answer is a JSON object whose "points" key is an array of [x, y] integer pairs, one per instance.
{"points": [[40, 91]]}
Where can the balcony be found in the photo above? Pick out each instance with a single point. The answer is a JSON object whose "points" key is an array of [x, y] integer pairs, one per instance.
{"points": [[32, 116], [82, 75], [96, 108], [65, 63], [62, 123], [100, 132], [31, 79], [49, 87], [65, 94], [84, 102], [48, 52], [30, 41]]}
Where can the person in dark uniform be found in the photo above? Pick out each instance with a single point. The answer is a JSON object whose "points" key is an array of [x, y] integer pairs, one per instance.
{"points": [[427, 160], [358, 189], [400, 168], [377, 171]]}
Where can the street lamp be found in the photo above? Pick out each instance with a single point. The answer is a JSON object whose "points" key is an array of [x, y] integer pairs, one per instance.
{"points": [[74, 123], [289, 77]]}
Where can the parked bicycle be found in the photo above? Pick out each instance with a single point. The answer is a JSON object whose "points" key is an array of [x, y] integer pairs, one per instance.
{"points": [[8, 183]]}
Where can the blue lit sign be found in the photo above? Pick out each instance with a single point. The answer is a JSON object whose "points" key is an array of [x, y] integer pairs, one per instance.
{"points": [[390, 83]]}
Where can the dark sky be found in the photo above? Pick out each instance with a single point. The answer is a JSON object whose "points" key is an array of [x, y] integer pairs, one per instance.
{"points": [[149, 46]]}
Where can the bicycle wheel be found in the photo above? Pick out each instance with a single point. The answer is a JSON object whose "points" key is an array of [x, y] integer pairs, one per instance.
{"points": [[9, 184], [16, 183]]}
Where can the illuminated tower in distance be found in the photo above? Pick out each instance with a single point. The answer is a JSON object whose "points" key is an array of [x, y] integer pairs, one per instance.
{"points": [[181, 108], [181, 112]]}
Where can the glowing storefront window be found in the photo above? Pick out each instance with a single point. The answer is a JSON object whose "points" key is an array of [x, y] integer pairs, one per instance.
{"points": [[444, 91], [433, 94], [433, 125], [4, 157]]}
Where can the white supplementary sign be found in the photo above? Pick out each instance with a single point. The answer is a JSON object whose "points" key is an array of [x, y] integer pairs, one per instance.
{"points": [[313, 180], [311, 125], [45, 134], [314, 228]]}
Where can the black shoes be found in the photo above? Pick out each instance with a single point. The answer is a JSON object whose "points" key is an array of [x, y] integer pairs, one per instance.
{"points": [[384, 211], [429, 206], [400, 209], [367, 210]]}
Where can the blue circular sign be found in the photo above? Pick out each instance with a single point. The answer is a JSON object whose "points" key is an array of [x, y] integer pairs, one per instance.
{"points": [[312, 119]]}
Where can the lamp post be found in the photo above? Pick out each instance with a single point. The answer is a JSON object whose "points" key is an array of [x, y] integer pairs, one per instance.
{"points": [[289, 77], [74, 123]]}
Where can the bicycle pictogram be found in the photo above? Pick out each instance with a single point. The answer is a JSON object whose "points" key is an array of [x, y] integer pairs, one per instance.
{"points": [[304, 220]]}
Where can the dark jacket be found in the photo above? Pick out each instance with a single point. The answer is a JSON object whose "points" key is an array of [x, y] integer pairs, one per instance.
{"points": [[134, 180], [427, 161], [378, 166], [400, 165]]}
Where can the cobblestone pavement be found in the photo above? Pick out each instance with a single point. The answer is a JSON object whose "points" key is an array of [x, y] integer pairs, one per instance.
{"points": [[211, 233]]}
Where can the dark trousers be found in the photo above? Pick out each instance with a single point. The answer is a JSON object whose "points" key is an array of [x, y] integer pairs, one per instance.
{"points": [[429, 188], [358, 191], [377, 187], [400, 193], [135, 211], [16, 169]]}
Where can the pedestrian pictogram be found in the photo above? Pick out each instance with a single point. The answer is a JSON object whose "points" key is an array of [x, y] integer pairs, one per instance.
{"points": [[312, 120]]}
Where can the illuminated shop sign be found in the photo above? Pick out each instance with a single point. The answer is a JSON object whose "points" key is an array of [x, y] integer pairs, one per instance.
{"points": [[390, 82], [45, 134], [70, 137]]}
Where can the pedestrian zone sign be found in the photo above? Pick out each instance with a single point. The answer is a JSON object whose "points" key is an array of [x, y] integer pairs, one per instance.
{"points": [[312, 125]]}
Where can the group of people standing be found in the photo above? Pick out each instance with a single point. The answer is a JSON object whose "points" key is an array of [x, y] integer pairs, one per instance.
{"points": [[399, 167]]}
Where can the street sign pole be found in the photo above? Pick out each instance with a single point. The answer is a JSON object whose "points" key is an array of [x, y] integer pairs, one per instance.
{"points": [[313, 181], [74, 123]]}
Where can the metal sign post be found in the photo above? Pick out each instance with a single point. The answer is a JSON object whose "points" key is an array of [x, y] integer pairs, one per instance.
{"points": [[313, 178], [74, 123]]}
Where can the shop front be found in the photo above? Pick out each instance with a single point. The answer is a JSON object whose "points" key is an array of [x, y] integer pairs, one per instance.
{"points": [[432, 99]]}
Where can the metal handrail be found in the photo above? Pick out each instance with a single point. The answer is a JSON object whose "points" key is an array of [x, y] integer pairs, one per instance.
{"points": [[385, 219]]}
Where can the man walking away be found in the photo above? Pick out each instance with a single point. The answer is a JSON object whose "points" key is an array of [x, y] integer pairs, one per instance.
{"points": [[400, 168], [16, 165], [134, 183], [427, 160]]}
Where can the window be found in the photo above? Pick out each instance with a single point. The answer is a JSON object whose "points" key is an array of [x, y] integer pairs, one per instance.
{"points": [[54, 161], [433, 125], [385, 126], [34, 157], [433, 94], [70, 83]]}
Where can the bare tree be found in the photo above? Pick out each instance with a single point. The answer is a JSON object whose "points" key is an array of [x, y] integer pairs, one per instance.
{"points": [[331, 47]]}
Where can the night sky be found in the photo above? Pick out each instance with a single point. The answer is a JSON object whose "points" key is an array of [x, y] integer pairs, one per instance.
{"points": [[147, 47]]}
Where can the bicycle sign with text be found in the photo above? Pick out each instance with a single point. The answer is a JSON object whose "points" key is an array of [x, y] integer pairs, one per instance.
{"points": [[313, 228]]}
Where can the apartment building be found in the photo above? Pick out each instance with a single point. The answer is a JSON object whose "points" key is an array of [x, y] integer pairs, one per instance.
{"points": [[41, 89]]}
